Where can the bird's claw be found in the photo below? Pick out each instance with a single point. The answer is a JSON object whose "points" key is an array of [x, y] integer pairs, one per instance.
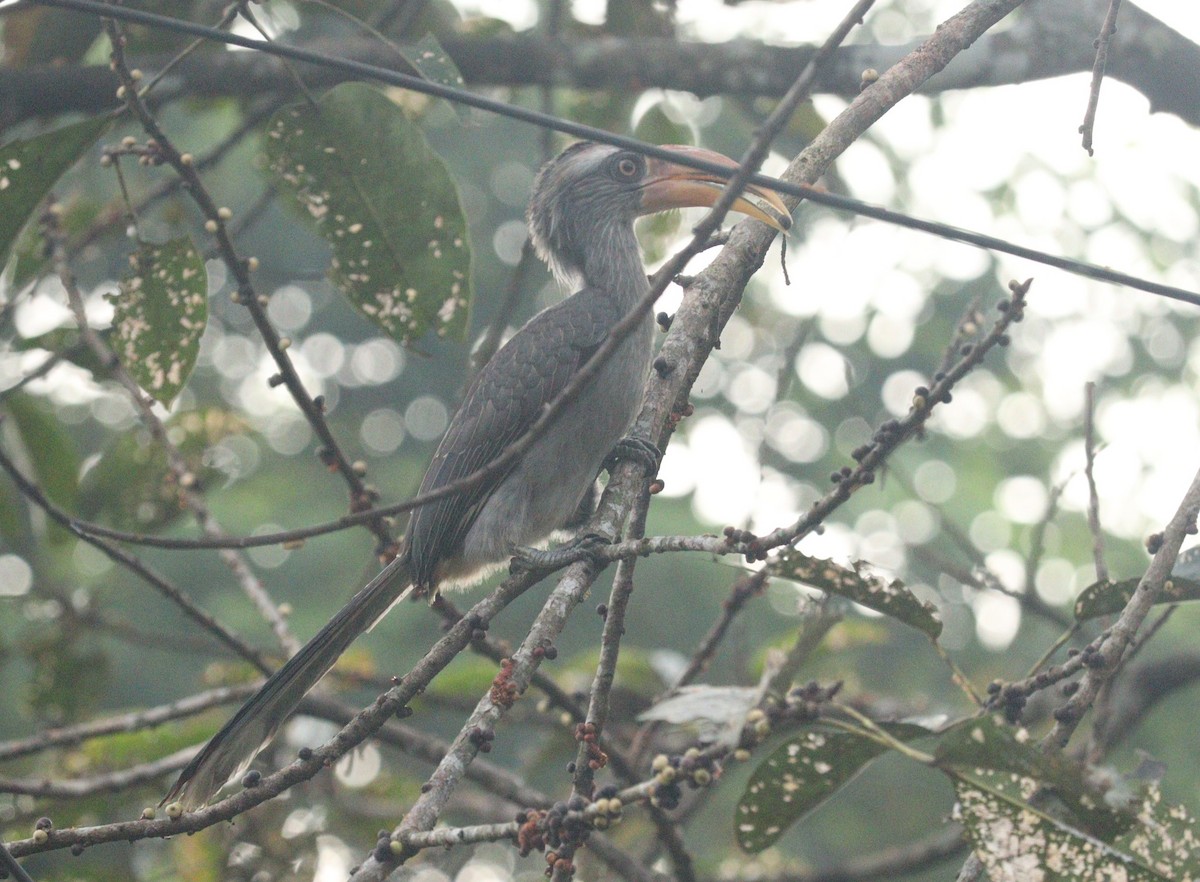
{"points": [[637, 449], [525, 559]]}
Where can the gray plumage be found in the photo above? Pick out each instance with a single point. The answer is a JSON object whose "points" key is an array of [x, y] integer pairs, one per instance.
{"points": [[581, 220]]}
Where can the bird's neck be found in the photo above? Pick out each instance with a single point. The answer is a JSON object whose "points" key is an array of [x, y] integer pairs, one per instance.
{"points": [[613, 264]]}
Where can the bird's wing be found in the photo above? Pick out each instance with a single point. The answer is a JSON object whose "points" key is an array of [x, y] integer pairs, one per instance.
{"points": [[505, 399]]}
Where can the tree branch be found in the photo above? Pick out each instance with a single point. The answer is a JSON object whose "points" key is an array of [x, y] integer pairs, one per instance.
{"points": [[1055, 38]]}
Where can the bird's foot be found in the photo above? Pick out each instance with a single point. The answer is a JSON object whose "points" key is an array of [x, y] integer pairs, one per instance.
{"points": [[580, 548], [639, 450]]}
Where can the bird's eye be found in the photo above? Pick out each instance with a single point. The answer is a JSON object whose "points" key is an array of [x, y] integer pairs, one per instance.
{"points": [[628, 167]]}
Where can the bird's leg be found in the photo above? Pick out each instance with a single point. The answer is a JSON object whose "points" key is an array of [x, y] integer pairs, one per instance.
{"points": [[637, 449], [580, 548], [585, 509], [586, 545]]}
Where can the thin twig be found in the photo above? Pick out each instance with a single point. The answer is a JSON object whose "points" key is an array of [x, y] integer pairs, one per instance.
{"points": [[10, 865], [590, 757], [32, 492], [945, 49], [69, 736], [362, 726], [1106, 658], [104, 223], [1102, 45], [181, 471], [889, 436], [109, 782], [743, 590], [1089, 438], [240, 269]]}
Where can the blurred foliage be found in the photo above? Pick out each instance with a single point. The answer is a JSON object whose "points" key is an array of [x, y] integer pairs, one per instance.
{"points": [[130, 485], [803, 376]]}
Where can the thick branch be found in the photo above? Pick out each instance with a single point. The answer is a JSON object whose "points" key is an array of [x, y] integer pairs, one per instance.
{"points": [[1054, 38]]}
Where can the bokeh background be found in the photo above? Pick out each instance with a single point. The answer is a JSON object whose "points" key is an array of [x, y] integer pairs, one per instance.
{"points": [[986, 516]]}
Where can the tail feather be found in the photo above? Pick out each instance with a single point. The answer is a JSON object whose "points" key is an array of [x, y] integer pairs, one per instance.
{"points": [[229, 753]]}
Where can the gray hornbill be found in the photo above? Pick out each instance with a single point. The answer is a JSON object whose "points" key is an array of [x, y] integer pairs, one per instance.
{"points": [[581, 220]]}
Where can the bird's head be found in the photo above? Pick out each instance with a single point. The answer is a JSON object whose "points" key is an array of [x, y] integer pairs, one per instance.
{"points": [[591, 188]]}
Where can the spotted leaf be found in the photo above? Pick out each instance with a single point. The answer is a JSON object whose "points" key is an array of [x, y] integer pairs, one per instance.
{"points": [[386, 205], [1109, 598], [799, 775], [430, 60], [29, 168], [1017, 843], [891, 598], [986, 742], [161, 311], [1165, 838]]}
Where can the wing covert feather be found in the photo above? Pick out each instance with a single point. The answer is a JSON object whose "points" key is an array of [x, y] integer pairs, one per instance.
{"points": [[505, 399]]}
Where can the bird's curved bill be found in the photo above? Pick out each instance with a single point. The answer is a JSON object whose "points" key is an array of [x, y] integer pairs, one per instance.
{"points": [[670, 185]]}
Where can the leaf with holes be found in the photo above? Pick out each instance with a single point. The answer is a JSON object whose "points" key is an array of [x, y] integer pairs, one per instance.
{"points": [[386, 205], [160, 313], [800, 774], [1016, 842], [987, 743], [29, 168], [854, 582]]}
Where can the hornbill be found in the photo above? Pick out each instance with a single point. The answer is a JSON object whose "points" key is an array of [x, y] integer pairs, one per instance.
{"points": [[581, 223]]}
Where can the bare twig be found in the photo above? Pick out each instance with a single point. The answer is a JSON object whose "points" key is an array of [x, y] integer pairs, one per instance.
{"points": [[590, 757], [311, 762], [889, 436], [240, 269], [9, 865], [1104, 661], [1089, 437], [180, 469], [109, 782], [32, 492], [1103, 42], [69, 736]]}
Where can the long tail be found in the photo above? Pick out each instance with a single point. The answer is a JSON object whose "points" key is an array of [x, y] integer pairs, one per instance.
{"points": [[230, 751]]}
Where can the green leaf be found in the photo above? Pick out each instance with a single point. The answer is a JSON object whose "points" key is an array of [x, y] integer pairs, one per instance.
{"points": [[431, 61], [1109, 598], [161, 312], [800, 774], [130, 484], [986, 743], [468, 676], [1014, 841], [60, 659], [635, 675], [51, 451], [1167, 837], [661, 124], [386, 205], [29, 168], [890, 598]]}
